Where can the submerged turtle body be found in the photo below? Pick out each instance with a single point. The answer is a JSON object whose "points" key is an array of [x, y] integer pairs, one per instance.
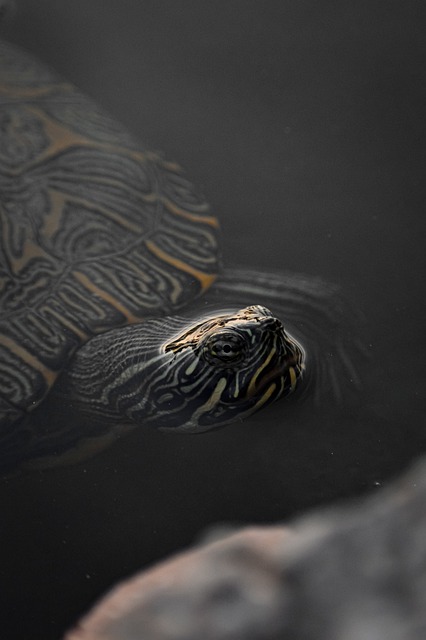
{"points": [[95, 231], [98, 233]]}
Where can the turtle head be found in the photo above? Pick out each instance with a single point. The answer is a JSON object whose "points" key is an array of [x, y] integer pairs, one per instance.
{"points": [[226, 368], [182, 375]]}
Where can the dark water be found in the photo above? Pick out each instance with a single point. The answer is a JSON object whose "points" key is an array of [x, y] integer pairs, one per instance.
{"points": [[304, 124]]}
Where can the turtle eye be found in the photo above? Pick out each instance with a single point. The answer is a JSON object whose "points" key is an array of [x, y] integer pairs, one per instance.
{"points": [[225, 348]]}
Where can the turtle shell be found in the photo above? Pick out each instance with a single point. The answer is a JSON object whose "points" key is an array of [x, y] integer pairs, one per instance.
{"points": [[95, 231]]}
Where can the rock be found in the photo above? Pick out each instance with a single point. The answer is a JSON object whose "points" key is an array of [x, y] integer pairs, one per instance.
{"points": [[349, 573]]}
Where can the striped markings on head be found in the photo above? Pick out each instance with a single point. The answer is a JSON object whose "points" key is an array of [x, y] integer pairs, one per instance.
{"points": [[265, 397], [251, 388], [193, 423], [293, 378]]}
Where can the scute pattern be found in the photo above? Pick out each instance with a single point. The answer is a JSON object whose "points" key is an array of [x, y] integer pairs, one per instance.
{"points": [[94, 230]]}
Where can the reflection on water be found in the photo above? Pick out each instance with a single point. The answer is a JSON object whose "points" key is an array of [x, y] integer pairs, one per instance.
{"points": [[304, 127]]}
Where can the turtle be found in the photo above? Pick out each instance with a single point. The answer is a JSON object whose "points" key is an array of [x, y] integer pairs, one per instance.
{"points": [[103, 243]]}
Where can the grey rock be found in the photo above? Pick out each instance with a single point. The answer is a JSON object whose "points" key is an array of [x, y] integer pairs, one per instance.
{"points": [[354, 572]]}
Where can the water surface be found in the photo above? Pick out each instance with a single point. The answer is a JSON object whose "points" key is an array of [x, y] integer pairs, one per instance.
{"points": [[303, 123]]}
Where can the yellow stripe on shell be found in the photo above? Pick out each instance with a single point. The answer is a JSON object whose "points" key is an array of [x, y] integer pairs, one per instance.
{"points": [[205, 279], [189, 215], [107, 297], [58, 201], [66, 322], [29, 251], [48, 374], [60, 136], [63, 138]]}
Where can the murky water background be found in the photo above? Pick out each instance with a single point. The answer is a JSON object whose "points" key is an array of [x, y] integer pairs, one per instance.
{"points": [[304, 124]]}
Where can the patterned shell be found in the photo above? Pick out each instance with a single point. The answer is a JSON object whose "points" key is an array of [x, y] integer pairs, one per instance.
{"points": [[95, 231]]}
